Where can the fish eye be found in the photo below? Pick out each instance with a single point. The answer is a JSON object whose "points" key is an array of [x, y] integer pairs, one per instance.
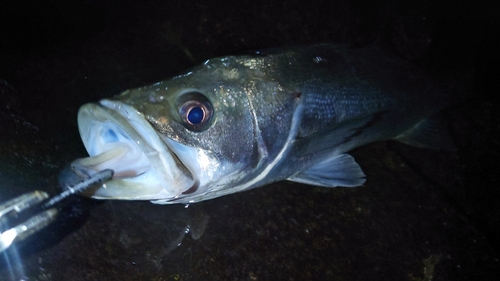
{"points": [[196, 111]]}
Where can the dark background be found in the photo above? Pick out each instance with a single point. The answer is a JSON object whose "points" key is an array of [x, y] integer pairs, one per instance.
{"points": [[422, 214]]}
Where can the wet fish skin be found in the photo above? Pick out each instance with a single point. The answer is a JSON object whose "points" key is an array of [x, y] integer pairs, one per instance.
{"points": [[278, 114]]}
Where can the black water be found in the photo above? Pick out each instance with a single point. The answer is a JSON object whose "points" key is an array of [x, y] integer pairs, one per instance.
{"points": [[421, 214]]}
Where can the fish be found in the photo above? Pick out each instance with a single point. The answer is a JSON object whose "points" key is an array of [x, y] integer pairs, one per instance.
{"points": [[238, 122]]}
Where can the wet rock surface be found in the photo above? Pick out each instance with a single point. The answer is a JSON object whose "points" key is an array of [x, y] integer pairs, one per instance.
{"points": [[422, 215]]}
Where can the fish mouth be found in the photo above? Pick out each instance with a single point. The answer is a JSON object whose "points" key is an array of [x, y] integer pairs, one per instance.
{"points": [[118, 137]]}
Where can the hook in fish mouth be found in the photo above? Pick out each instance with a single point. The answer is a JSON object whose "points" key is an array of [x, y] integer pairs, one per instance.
{"points": [[118, 137]]}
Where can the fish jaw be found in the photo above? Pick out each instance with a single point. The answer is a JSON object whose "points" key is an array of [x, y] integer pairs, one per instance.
{"points": [[118, 137]]}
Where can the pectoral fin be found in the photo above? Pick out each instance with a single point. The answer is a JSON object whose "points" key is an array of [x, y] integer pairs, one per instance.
{"points": [[340, 170], [342, 133]]}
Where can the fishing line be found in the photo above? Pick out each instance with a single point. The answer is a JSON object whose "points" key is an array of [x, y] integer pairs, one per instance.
{"points": [[101, 176]]}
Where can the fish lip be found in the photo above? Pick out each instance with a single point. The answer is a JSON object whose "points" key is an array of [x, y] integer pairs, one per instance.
{"points": [[165, 164]]}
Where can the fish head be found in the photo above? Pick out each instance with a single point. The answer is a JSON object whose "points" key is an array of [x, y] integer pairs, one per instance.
{"points": [[181, 140]]}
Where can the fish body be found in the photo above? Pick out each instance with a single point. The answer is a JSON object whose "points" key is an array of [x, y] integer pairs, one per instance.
{"points": [[239, 122]]}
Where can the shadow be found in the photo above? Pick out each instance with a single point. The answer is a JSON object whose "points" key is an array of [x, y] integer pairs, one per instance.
{"points": [[72, 215]]}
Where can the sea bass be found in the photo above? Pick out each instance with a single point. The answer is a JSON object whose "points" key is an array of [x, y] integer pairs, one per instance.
{"points": [[238, 122]]}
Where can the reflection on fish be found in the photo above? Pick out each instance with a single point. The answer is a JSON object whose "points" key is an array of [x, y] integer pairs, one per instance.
{"points": [[238, 122]]}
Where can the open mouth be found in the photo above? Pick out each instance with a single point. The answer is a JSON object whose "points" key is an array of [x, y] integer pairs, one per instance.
{"points": [[118, 137]]}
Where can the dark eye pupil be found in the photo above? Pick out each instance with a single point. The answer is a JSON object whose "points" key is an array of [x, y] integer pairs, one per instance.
{"points": [[195, 115], [195, 111]]}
